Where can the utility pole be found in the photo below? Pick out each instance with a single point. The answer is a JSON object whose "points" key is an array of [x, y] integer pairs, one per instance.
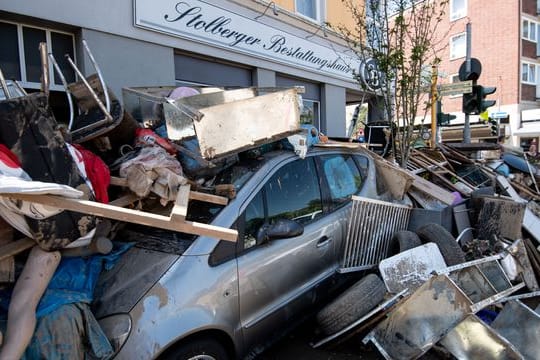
{"points": [[467, 125], [434, 99]]}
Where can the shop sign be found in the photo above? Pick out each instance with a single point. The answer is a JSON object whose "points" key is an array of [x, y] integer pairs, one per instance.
{"points": [[206, 23]]}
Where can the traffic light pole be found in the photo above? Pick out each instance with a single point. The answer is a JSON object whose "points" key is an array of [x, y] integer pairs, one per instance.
{"points": [[467, 124], [434, 97]]}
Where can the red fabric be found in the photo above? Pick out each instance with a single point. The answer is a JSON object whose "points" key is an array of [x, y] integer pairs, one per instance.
{"points": [[147, 137], [98, 173], [8, 157]]}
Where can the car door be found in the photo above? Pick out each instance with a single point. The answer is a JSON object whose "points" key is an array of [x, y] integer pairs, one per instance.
{"points": [[343, 175], [277, 279]]}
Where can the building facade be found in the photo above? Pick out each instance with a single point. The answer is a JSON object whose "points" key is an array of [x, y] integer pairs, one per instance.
{"points": [[229, 43], [505, 39]]}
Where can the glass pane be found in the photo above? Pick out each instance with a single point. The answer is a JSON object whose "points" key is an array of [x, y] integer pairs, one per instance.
{"points": [[533, 32], [310, 113], [525, 29], [62, 44], [254, 218], [9, 56], [343, 177], [524, 68], [458, 46], [32, 37], [307, 8], [294, 192]]}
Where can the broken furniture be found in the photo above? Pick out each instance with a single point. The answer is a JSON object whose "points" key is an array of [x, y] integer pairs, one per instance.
{"points": [[223, 121], [439, 305]]}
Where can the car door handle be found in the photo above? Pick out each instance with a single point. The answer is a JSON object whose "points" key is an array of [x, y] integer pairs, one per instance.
{"points": [[325, 240]]}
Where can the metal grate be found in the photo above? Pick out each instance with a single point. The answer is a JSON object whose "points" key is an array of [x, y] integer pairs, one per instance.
{"points": [[371, 227]]}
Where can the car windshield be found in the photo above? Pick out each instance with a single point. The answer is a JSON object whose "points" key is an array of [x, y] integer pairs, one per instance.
{"points": [[236, 175]]}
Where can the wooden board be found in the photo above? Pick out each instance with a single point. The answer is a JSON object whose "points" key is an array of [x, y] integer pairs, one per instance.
{"points": [[7, 263], [129, 215]]}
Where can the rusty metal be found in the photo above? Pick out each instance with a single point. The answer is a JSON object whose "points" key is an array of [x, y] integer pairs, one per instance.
{"points": [[520, 325], [379, 310], [421, 320], [44, 68], [66, 88], [473, 339], [411, 268], [371, 227]]}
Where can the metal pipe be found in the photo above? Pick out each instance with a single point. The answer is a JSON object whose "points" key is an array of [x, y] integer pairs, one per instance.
{"points": [[94, 95], [44, 68], [68, 93], [4, 85], [98, 71]]}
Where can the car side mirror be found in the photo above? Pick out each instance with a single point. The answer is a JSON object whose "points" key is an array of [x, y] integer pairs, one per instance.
{"points": [[279, 229]]}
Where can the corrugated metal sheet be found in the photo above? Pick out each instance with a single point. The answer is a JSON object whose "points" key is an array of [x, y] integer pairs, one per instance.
{"points": [[371, 227]]}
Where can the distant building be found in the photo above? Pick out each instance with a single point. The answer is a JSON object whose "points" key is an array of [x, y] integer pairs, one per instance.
{"points": [[235, 43], [506, 40]]}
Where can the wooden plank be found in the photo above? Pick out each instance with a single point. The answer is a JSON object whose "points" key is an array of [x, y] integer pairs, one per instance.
{"points": [[214, 199], [179, 210], [15, 247], [7, 265], [129, 215], [193, 195], [433, 190], [124, 200]]}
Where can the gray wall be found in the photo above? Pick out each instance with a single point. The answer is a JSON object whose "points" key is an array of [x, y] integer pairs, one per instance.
{"points": [[264, 78], [125, 62], [333, 110]]}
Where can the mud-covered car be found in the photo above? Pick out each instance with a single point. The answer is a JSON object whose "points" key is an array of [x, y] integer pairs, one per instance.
{"points": [[175, 296]]}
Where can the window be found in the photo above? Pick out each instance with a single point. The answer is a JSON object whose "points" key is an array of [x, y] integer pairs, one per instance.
{"points": [[458, 9], [294, 193], [528, 30], [20, 59], [310, 113], [528, 73], [458, 46], [343, 177], [254, 218], [308, 8]]}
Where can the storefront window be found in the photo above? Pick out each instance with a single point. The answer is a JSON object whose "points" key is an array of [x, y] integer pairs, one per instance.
{"points": [[310, 113], [24, 64]]}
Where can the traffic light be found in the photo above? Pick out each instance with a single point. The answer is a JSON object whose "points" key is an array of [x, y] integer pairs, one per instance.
{"points": [[470, 101], [482, 92], [442, 118], [494, 126]]}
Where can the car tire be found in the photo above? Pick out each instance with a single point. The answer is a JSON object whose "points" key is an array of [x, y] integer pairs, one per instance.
{"points": [[350, 306], [204, 348], [404, 240], [449, 247]]}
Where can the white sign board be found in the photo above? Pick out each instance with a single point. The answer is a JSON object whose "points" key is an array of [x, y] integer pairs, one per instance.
{"points": [[207, 23]]}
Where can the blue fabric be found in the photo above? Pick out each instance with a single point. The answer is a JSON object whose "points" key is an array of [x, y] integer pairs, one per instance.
{"points": [[73, 281]]}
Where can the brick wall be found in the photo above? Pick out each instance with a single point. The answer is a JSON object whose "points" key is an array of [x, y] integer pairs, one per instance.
{"points": [[528, 92], [496, 32], [529, 7]]}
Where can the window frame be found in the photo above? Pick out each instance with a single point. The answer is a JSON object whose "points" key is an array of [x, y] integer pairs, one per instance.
{"points": [[318, 11], [531, 25], [452, 39], [22, 60], [529, 65], [456, 15]]}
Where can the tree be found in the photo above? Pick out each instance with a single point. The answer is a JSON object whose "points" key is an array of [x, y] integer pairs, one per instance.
{"points": [[396, 41]]}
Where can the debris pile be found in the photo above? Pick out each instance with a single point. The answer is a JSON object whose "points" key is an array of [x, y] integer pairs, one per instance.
{"points": [[464, 262]]}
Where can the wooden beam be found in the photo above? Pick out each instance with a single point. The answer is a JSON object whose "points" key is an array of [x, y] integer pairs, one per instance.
{"points": [[15, 247], [179, 210], [128, 215]]}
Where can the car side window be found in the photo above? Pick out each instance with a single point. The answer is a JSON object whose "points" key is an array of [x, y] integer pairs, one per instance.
{"points": [[254, 218], [294, 193], [343, 177]]}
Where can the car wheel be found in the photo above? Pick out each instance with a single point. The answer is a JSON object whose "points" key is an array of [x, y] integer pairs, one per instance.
{"points": [[350, 306], [199, 349], [404, 240], [449, 247]]}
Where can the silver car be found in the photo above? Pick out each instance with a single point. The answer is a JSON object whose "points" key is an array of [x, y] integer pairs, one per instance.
{"points": [[174, 296]]}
